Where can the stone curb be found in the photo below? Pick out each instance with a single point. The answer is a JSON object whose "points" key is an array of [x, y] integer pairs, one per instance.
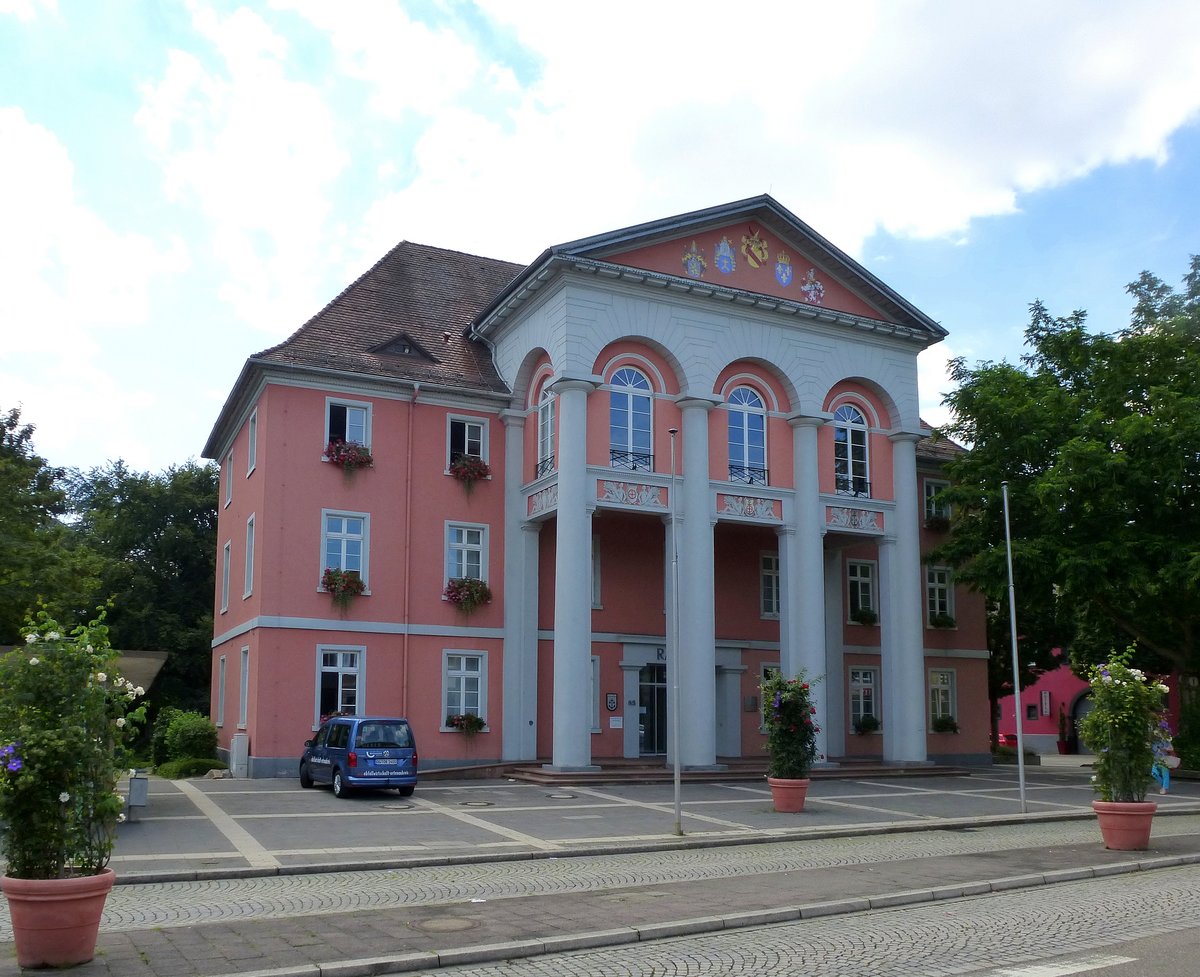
{"points": [[493, 952]]}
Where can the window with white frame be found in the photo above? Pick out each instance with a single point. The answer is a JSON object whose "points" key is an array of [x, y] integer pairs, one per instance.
{"points": [[629, 420], [464, 685], [348, 421], [747, 437], [466, 551], [936, 508], [768, 584], [863, 697], [942, 704], [226, 562], [221, 691], [229, 478], [248, 586], [939, 596], [851, 473], [467, 436], [545, 451], [766, 672], [339, 681], [344, 542], [244, 688], [860, 591], [252, 445]]}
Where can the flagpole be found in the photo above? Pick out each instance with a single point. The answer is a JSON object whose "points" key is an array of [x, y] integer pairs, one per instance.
{"points": [[1016, 666]]}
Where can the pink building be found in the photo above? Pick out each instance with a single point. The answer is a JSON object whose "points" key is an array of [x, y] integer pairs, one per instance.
{"points": [[700, 434]]}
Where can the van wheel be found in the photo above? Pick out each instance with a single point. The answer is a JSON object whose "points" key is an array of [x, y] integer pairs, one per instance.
{"points": [[306, 780], [340, 788], [406, 791]]}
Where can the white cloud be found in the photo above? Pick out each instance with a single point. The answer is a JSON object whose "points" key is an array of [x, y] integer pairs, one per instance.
{"points": [[27, 10]]}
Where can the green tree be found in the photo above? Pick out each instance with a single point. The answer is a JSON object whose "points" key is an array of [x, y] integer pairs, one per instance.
{"points": [[155, 536], [38, 559], [1098, 436]]}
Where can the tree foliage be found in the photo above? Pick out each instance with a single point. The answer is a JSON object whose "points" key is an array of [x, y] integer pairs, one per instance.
{"points": [[1098, 436]]}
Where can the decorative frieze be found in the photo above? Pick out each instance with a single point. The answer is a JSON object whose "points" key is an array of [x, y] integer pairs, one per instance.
{"points": [[865, 520], [749, 506], [632, 493], [544, 500]]}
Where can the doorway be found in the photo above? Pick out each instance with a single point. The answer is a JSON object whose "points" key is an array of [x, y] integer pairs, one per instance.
{"points": [[652, 710]]}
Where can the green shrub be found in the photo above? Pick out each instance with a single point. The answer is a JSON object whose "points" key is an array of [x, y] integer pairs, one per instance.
{"points": [[190, 734], [158, 738], [188, 767]]}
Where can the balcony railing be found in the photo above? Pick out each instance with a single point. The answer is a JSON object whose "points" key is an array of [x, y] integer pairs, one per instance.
{"points": [[544, 467], [634, 461], [747, 475], [852, 485]]}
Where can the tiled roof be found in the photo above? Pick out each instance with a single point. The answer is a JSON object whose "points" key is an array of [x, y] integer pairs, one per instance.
{"points": [[937, 447], [415, 296]]}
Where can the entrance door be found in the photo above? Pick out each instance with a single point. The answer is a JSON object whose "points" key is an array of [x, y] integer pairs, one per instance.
{"points": [[652, 702]]}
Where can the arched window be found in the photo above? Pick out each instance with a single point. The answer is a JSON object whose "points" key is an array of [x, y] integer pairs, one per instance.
{"points": [[851, 474], [747, 437], [629, 421], [545, 456]]}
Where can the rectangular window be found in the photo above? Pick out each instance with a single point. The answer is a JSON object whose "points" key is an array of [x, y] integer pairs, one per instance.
{"points": [[344, 542], [941, 695], [768, 588], [467, 436], [466, 551], [339, 681], [249, 584], [229, 478], [545, 434], [348, 421], [936, 508], [252, 446], [595, 676], [596, 573], [863, 699], [226, 559], [464, 685], [244, 688], [939, 597], [221, 691], [860, 582]]}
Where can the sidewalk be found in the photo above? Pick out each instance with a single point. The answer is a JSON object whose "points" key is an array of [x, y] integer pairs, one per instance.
{"points": [[861, 845]]}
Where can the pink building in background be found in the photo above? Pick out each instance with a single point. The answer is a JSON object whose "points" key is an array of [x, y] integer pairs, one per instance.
{"points": [[722, 393]]}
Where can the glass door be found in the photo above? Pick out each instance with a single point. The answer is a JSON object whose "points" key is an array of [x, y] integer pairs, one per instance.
{"points": [[652, 703]]}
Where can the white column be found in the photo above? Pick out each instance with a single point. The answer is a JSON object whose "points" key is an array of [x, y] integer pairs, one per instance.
{"points": [[902, 631], [835, 657], [572, 746], [520, 602], [697, 651], [806, 576]]}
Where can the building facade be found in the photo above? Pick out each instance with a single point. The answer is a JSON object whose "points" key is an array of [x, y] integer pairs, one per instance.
{"points": [[679, 455]]}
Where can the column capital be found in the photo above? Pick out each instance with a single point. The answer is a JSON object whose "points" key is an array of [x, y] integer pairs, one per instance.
{"points": [[692, 402], [911, 437], [799, 419], [512, 418], [785, 530], [574, 381]]}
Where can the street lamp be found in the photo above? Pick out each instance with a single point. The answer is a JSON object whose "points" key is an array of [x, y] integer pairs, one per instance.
{"points": [[1016, 665], [673, 645]]}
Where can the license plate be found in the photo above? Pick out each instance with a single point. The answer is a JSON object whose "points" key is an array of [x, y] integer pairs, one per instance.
{"points": [[385, 762]]}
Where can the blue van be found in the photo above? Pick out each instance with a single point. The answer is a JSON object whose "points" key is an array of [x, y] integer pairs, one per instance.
{"points": [[361, 751]]}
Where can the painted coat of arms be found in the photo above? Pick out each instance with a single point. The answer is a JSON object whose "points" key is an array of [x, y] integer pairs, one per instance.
{"points": [[813, 290], [754, 248], [724, 257], [783, 269], [693, 262]]}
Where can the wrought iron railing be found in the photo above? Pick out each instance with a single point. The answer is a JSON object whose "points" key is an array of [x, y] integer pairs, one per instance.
{"points": [[544, 467], [852, 485], [748, 475], [634, 461]]}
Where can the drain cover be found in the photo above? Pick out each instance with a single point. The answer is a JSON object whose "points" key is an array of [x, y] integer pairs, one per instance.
{"points": [[561, 797], [448, 924], [474, 803], [396, 807]]}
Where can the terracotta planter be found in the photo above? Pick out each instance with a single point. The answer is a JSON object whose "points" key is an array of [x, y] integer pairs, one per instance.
{"points": [[1125, 826], [1064, 747], [56, 921], [788, 795]]}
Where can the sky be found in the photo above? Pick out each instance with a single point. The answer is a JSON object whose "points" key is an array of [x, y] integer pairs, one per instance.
{"points": [[183, 184]]}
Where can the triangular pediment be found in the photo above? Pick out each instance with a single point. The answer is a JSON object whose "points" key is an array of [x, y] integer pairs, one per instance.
{"points": [[406, 346]]}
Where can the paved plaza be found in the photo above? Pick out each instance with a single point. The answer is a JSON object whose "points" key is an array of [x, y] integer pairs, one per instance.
{"points": [[226, 876]]}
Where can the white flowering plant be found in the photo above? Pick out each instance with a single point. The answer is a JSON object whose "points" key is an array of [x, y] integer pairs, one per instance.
{"points": [[1122, 726], [66, 721]]}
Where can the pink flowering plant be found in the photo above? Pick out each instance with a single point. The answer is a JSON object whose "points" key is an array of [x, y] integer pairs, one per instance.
{"points": [[66, 719], [342, 585], [467, 593], [469, 469], [1122, 727], [348, 455], [466, 723], [791, 721]]}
